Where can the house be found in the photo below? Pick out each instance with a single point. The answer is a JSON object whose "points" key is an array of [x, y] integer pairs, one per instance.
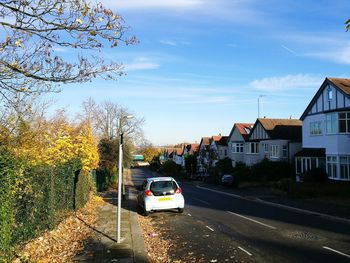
{"points": [[217, 149], [236, 142], [178, 156], [203, 155], [188, 149], [326, 131], [273, 139]]}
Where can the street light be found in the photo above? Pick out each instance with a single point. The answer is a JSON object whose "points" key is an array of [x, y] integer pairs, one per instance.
{"points": [[120, 175]]}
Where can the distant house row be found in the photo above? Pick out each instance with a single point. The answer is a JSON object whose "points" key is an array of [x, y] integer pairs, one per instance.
{"points": [[321, 138]]}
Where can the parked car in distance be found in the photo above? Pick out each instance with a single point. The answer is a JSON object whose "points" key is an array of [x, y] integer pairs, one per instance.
{"points": [[227, 179], [160, 193]]}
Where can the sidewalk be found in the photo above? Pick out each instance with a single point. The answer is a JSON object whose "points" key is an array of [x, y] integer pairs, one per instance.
{"points": [[103, 246]]}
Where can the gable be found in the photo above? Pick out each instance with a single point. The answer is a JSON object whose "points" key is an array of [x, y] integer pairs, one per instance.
{"points": [[236, 136], [322, 103], [258, 132]]}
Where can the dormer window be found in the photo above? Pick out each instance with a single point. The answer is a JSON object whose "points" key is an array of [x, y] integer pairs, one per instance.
{"points": [[330, 93]]}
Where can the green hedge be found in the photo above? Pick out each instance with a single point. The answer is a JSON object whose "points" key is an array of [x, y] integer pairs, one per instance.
{"points": [[36, 198]]}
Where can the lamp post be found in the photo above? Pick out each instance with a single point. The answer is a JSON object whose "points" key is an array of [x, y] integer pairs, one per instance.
{"points": [[120, 175]]}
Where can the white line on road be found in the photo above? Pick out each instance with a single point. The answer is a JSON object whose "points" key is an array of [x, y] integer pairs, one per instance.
{"points": [[245, 251], [338, 252], [209, 228], [189, 214], [219, 192], [255, 221], [199, 200]]}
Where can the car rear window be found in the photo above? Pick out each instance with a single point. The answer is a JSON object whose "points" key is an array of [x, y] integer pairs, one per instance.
{"points": [[163, 188]]}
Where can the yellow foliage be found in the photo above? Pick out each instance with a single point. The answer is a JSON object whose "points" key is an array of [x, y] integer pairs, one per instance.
{"points": [[57, 141]]}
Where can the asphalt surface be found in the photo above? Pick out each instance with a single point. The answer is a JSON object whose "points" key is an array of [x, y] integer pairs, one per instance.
{"points": [[218, 227]]}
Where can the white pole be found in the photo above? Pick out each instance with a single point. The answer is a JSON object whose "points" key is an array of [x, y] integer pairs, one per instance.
{"points": [[119, 187]]}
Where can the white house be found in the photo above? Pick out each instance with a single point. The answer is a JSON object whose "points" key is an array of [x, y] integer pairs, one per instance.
{"points": [[326, 131], [273, 139], [236, 142]]}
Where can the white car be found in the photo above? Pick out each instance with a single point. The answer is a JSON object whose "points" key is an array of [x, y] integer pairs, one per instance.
{"points": [[160, 193]]}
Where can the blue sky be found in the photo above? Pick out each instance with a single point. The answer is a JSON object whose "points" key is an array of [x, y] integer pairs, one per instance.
{"points": [[202, 64]]}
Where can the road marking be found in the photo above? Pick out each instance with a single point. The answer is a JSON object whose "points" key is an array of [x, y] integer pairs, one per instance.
{"points": [[210, 228], [199, 200], [189, 214], [219, 192], [286, 207], [245, 251], [338, 252], [255, 221]]}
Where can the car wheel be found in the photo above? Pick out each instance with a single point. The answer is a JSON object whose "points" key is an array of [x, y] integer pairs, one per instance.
{"points": [[145, 213], [180, 210]]}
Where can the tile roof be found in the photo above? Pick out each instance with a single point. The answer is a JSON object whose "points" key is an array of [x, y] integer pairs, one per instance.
{"points": [[223, 141], [343, 84], [216, 138], [288, 129], [243, 128], [195, 147], [179, 151], [205, 140]]}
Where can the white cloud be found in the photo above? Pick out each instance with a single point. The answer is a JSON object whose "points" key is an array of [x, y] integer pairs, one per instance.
{"points": [[141, 4], [341, 55], [168, 42], [286, 83], [141, 63]]}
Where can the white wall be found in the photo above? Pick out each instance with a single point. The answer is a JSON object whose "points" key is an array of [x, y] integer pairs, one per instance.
{"points": [[333, 143]]}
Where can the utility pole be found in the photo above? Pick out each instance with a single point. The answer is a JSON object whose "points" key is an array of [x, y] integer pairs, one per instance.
{"points": [[260, 96]]}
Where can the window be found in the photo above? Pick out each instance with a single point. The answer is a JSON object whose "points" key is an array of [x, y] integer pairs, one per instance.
{"points": [[238, 147], [344, 122], [331, 122], [284, 151], [315, 128], [332, 166], [330, 93], [253, 147], [345, 167], [274, 151], [266, 148], [225, 153]]}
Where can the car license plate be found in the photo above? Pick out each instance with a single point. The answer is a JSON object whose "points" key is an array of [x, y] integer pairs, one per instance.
{"points": [[164, 199]]}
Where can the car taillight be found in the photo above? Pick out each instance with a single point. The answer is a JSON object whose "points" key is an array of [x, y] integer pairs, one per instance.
{"points": [[148, 193], [178, 191]]}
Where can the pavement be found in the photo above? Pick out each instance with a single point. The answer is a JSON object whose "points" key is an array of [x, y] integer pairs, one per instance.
{"points": [[103, 246]]}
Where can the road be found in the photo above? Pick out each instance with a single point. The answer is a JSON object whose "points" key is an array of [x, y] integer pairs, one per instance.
{"points": [[220, 227]]}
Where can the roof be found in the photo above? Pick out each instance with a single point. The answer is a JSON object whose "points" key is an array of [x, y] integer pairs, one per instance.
{"points": [[223, 141], [179, 152], [216, 138], [285, 129], [311, 152], [205, 141], [341, 83], [244, 129], [194, 147], [153, 179]]}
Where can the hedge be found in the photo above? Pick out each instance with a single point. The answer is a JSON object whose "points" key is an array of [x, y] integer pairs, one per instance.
{"points": [[36, 198]]}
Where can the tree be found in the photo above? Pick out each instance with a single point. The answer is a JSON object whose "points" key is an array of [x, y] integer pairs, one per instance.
{"points": [[33, 33], [347, 25], [191, 164], [149, 153]]}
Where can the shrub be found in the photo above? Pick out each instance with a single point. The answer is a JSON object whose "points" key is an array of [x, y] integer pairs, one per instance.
{"points": [[170, 168], [266, 171], [36, 198], [225, 166]]}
